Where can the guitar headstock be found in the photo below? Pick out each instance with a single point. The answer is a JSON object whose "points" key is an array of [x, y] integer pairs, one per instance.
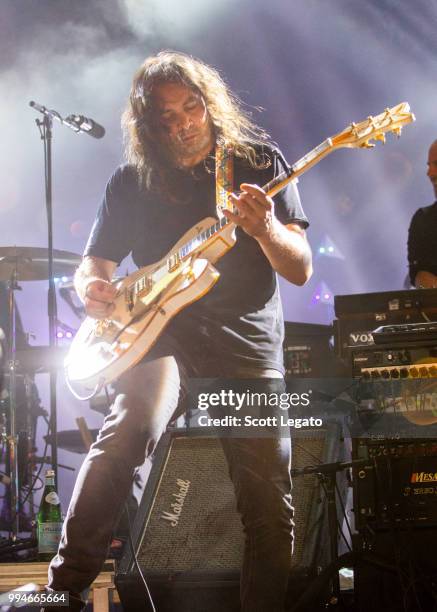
{"points": [[375, 128]]}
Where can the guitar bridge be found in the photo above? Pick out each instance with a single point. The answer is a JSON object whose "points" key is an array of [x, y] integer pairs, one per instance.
{"points": [[102, 326]]}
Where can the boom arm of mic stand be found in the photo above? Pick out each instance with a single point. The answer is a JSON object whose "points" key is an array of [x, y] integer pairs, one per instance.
{"points": [[52, 114], [330, 468]]}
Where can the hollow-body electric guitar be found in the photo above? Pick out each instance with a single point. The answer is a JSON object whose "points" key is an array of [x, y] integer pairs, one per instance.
{"points": [[150, 297]]}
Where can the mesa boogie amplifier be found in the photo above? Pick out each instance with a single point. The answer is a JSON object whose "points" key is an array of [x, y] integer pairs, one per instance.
{"points": [[398, 488], [359, 314]]}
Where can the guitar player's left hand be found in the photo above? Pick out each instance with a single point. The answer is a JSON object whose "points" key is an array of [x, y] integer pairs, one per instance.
{"points": [[255, 211]]}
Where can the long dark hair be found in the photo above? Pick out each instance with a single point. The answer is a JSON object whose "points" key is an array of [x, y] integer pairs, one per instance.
{"points": [[232, 125]]}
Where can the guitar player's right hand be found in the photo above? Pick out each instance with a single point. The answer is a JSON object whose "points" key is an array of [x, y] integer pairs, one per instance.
{"points": [[99, 298]]}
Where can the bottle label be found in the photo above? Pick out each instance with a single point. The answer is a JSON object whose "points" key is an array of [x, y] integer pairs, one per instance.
{"points": [[52, 498], [49, 535]]}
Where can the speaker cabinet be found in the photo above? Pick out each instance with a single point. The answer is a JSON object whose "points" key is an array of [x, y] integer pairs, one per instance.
{"points": [[396, 570], [396, 510], [187, 534]]}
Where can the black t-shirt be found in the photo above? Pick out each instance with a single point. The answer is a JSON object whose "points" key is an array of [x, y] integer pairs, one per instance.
{"points": [[241, 316], [422, 241]]}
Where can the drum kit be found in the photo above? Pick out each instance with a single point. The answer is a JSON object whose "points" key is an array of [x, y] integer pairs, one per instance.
{"points": [[19, 401]]}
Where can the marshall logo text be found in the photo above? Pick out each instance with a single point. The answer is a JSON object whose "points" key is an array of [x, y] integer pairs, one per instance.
{"points": [[176, 507]]}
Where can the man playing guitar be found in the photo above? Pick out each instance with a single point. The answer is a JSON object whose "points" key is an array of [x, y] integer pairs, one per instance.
{"points": [[179, 111]]}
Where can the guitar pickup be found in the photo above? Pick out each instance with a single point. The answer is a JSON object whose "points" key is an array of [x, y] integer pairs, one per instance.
{"points": [[141, 288], [173, 262]]}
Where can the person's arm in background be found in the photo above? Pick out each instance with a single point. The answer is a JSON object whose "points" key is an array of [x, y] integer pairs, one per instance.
{"points": [[418, 251]]}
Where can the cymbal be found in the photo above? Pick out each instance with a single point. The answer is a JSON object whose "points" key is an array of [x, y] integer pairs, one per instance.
{"points": [[31, 263]]}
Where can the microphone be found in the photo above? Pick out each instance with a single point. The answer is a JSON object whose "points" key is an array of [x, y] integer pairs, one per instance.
{"points": [[79, 123]]}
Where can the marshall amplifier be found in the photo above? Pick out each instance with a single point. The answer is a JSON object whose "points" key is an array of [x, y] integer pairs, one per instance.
{"points": [[360, 314], [187, 533]]}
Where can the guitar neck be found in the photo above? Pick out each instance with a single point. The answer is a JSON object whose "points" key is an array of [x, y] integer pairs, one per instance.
{"points": [[302, 165], [271, 188]]}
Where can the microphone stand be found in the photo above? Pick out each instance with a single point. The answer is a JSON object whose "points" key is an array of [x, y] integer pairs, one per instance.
{"points": [[45, 129], [327, 474], [77, 123], [14, 485]]}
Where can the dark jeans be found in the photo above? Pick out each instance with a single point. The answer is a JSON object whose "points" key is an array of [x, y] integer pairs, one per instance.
{"points": [[148, 396]]}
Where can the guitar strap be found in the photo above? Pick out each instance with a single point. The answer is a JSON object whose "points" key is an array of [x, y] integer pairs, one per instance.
{"points": [[224, 178]]}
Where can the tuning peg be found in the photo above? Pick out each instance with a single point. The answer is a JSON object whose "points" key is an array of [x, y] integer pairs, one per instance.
{"points": [[380, 137], [353, 128], [367, 145], [397, 131]]}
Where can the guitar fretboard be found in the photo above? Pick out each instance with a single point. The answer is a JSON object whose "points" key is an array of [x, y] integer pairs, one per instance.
{"points": [[190, 246]]}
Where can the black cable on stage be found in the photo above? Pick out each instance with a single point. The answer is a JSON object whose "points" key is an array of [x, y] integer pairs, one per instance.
{"points": [[37, 477], [346, 518], [135, 558]]}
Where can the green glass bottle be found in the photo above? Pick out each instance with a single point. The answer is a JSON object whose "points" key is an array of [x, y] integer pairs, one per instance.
{"points": [[49, 520]]}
